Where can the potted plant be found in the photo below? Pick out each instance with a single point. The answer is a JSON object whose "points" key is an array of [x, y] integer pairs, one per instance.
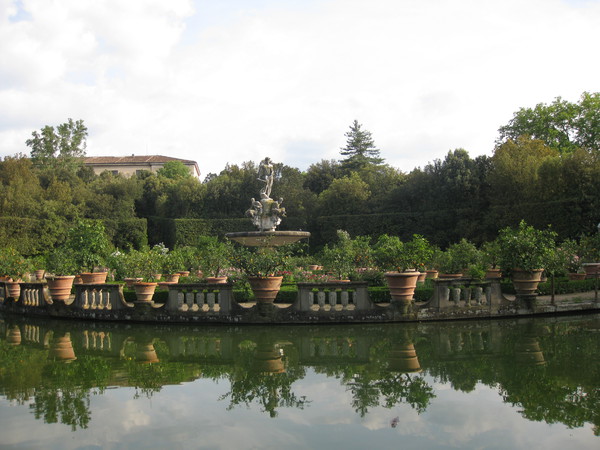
{"points": [[60, 269], [490, 255], [524, 253], [262, 266], [338, 258], [401, 262], [90, 247], [590, 254], [171, 264], [214, 258], [144, 265], [16, 267], [570, 260]]}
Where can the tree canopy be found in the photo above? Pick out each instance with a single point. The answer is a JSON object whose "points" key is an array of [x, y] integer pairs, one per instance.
{"points": [[561, 125], [59, 146]]}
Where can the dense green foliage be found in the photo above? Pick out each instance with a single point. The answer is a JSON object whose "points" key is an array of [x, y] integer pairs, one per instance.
{"points": [[545, 170]]}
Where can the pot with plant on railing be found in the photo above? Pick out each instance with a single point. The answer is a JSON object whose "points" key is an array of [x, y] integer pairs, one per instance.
{"points": [[490, 256], [90, 247], [401, 261], [143, 265], [339, 258], [16, 268], [590, 254], [171, 264], [262, 266], [570, 261], [60, 269], [524, 253], [214, 258]]}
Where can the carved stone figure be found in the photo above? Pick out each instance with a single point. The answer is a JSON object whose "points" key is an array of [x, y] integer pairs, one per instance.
{"points": [[266, 174]]}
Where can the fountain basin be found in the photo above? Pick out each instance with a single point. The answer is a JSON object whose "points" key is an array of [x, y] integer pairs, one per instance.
{"points": [[267, 238]]}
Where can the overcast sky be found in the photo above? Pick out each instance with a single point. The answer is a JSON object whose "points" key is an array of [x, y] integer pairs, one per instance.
{"points": [[226, 81]]}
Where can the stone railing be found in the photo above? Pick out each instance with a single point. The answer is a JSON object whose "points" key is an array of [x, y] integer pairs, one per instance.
{"points": [[333, 297], [200, 298], [100, 297], [464, 293]]}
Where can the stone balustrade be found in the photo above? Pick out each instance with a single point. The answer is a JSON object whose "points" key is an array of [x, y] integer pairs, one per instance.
{"points": [[200, 298], [100, 297], [333, 297]]}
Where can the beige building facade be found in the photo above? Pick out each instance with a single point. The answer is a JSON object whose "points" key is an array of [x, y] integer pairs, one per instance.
{"points": [[132, 165]]}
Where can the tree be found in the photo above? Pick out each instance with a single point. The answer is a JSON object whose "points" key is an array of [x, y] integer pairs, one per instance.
{"points": [[360, 149], [61, 147], [561, 125], [174, 170], [347, 195]]}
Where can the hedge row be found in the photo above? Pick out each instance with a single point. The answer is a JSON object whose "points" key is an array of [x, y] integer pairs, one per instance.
{"points": [[36, 236]]}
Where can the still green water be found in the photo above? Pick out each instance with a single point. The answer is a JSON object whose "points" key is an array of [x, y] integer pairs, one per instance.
{"points": [[527, 383]]}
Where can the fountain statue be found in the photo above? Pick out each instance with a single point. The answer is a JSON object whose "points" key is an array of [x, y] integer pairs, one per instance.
{"points": [[266, 214]]}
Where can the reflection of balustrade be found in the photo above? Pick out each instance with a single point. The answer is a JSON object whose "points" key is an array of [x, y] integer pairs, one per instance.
{"points": [[96, 340], [100, 297], [333, 297], [200, 297], [13, 336]]}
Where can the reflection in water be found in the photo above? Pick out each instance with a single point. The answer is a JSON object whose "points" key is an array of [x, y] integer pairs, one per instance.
{"points": [[549, 369]]}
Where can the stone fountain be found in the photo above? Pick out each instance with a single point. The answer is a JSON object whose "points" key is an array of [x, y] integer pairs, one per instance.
{"points": [[266, 213]]}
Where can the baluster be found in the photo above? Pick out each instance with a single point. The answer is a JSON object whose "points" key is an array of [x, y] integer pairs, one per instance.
{"points": [[101, 299], [189, 301], [333, 298], [344, 298], [321, 299], [311, 299], [181, 306], [210, 299], [94, 304]]}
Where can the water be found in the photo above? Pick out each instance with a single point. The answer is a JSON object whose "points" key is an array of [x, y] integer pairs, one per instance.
{"points": [[527, 383]]}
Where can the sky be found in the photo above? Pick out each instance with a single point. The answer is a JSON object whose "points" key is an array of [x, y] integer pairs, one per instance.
{"points": [[227, 81]]}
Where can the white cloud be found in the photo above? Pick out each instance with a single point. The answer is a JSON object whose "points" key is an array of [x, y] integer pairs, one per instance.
{"points": [[246, 79]]}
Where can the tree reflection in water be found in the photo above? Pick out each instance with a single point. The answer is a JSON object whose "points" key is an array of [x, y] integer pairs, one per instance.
{"points": [[548, 369]]}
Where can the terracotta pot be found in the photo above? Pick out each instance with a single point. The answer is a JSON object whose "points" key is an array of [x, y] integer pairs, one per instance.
{"points": [[451, 275], [493, 273], [402, 285], [421, 278], [576, 276], [13, 289], [184, 273], [60, 287], [129, 282], [526, 282], [216, 280], [173, 278], [432, 274], [313, 267], [265, 288], [591, 270], [144, 291], [93, 277], [39, 274]]}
